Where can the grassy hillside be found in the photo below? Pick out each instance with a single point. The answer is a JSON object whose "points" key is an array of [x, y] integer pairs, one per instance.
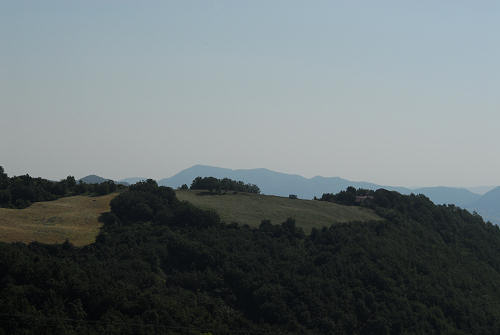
{"points": [[76, 218], [73, 218], [251, 209]]}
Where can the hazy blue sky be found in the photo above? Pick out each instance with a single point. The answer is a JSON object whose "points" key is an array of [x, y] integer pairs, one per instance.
{"points": [[393, 92]]}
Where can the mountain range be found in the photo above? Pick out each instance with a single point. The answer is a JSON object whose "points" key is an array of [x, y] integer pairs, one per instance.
{"points": [[282, 184]]}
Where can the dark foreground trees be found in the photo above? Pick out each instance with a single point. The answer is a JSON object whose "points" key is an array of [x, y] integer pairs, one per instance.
{"points": [[163, 266]]}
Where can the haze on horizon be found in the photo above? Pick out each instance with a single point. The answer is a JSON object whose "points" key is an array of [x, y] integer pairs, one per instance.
{"points": [[391, 92]]}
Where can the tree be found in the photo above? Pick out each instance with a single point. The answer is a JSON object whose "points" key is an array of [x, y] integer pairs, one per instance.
{"points": [[71, 182], [81, 187], [4, 179], [106, 187], [5, 197]]}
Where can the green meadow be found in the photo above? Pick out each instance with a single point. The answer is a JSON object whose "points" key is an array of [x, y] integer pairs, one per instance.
{"points": [[251, 209]]}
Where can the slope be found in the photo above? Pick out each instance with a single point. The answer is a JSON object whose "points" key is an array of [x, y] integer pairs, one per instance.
{"points": [[283, 184], [73, 218], [251, 209], [161, 266]]}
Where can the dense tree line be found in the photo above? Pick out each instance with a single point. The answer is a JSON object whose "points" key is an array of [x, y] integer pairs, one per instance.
{"points": [[21, 191], [222, 185], [349, 196], [162, 266]]}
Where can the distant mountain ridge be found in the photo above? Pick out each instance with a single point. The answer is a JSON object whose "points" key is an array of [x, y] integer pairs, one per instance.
{"points": [[481, 189], [448, 195], [488, 206], [132, 180], [272, 182]]}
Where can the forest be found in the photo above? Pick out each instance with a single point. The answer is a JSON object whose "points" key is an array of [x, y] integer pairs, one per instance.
{"points": [[163, 266], [22, 191]]}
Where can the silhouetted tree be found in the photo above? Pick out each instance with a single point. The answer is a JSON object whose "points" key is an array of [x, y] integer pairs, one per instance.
{"points": [[4, 180]]}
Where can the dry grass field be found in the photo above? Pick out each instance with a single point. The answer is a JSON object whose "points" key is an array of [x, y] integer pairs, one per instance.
{"points": [[73, 218], [251, 209]]}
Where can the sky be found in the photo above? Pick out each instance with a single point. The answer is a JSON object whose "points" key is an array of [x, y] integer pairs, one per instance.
{"points": [[392, 92]]}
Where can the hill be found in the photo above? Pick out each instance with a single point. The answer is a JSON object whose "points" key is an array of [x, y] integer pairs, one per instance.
{"points": [[251, 209], [488, 206], [73, 218], [93, 179], [163, 266], [76, 218], [282, 184]]}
